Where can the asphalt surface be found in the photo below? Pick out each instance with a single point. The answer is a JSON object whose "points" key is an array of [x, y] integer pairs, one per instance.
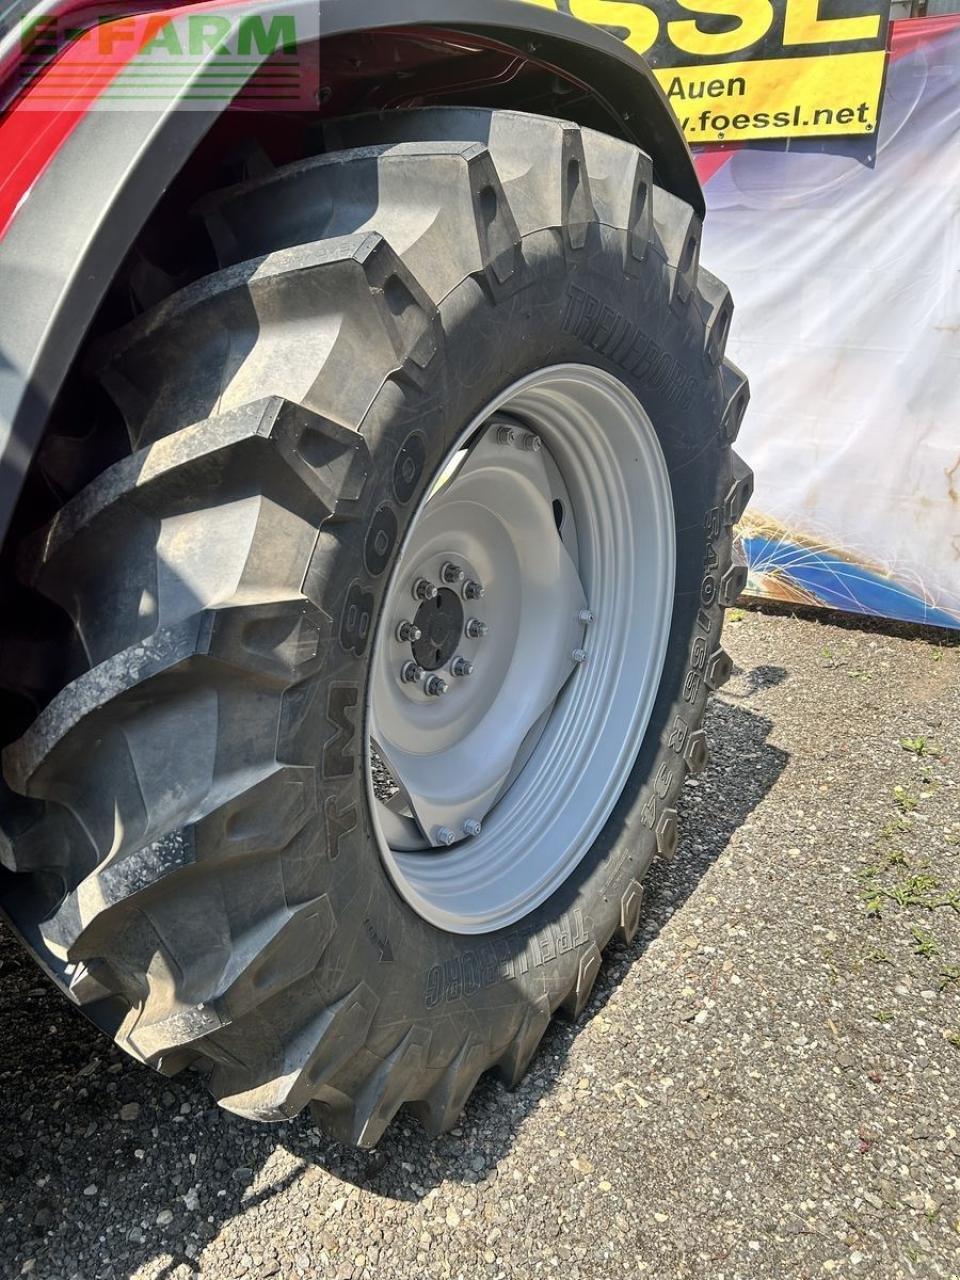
{"points": [[766, 1084]]}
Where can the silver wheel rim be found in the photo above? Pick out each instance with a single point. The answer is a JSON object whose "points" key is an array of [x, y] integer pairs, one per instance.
{"points": [[487, 795]]}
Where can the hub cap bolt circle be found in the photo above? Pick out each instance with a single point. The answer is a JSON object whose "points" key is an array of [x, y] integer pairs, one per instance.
{"points": [[408, 631], [531, 443], [471, 827], [446, 836], [507, 435], [424, 590], [411, 673], [435, 687], [579, 655], [451, 573], [473, 590], [475, 629], [586, 616], [461, 667]]}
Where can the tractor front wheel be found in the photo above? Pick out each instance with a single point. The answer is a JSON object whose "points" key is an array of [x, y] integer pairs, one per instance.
{"points": [[398, 620]]}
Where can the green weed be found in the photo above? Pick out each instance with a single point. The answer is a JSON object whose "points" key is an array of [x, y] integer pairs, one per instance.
{"points": [[925, 944], [920, 746], [905, 800]]}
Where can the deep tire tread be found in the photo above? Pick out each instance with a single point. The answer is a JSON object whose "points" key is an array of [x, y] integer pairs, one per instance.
{"points": [[248, 402]]}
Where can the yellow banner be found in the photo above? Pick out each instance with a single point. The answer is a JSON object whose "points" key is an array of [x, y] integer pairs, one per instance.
{"points": [[736, 70], [782, 97]]}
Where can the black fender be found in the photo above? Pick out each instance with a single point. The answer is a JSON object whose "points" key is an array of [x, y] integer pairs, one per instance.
{"points": [[80, 217]]}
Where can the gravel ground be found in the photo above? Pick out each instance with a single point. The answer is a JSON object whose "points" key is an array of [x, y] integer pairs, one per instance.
{"points": [[766, 1084]]}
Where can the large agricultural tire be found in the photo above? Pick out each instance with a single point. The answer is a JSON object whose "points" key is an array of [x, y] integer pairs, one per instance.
{"points": [[198, 840]]}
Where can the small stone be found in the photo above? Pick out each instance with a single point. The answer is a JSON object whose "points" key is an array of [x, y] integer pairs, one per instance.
{"points": [[164, 1218], [453, 1218], [130, 1111], [91, 1190]]}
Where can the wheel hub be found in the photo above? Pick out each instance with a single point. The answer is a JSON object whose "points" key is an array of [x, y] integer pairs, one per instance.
{"points": [[440, 622], [451, 743]]}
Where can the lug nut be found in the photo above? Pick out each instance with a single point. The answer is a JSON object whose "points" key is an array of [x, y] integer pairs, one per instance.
{"points": [[424, 590], [579, 655], [435, 687], [586, 616], [472, 827], [507, 435], [461, 667], [451, 573], [472, 590], [532, 443], [446, 836], [408, 631], [411, 673], [475, 629]]}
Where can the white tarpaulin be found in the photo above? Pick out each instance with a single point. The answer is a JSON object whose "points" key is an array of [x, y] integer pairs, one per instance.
{"points": [[844, 262]]}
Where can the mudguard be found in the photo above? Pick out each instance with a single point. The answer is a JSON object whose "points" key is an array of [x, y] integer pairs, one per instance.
{"points": [[80, 183]]}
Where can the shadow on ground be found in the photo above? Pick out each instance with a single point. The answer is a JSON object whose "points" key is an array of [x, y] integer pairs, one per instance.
{"points": [[81, 1190]]}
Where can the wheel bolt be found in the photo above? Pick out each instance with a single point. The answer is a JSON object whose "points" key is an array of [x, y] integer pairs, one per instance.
{"points": [[472, 590], [471, 827], [446, 836], [586, 616], [408, 631], [451, 573], [579, 655], [531, 442], [461, 667], [424, 590], [507, 435], [475, 629], [411, 673], [435, 687]]}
